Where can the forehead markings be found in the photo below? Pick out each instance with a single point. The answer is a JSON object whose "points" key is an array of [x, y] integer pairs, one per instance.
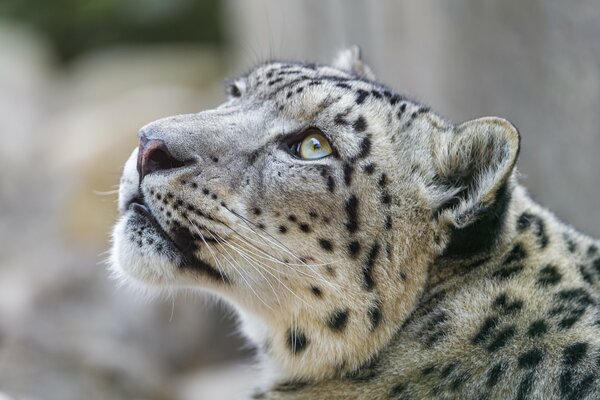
{"points": [[367, 269]]}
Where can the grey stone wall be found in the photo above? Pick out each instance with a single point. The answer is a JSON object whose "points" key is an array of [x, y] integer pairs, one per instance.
{"points": [[535, 62]]}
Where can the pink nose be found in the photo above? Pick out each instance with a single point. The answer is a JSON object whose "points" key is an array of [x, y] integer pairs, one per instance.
{"points": [[154, 156]]}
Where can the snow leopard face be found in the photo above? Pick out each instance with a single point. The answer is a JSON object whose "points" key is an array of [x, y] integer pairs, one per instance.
{"points": [[314, 199]]}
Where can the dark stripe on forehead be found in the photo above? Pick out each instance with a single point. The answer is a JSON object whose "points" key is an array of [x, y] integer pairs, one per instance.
{"points": [[352, 214], [296, 340], [367, 270]]}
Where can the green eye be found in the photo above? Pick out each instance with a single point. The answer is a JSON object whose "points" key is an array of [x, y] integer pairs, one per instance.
{"points": [[312, 147]]}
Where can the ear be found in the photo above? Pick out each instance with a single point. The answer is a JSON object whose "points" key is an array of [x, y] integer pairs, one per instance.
{"points": [[350, 60], [474, 164]]}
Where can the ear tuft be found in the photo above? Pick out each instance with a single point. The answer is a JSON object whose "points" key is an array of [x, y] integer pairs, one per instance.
{"points": [[473, 164], [350, 60]]}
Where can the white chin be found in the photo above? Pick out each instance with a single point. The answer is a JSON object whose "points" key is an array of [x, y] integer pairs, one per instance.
{"points": [[140, 259]]}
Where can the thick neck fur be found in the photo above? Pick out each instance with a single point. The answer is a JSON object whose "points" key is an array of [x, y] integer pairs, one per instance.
{"points": [[491, 237], [297, 346]]}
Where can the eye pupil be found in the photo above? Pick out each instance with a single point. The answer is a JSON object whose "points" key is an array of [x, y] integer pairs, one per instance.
{"points": [[316, 145], [313, 146]]}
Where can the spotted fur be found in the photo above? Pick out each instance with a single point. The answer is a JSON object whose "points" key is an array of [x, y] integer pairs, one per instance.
{"points": [[409, 264]]}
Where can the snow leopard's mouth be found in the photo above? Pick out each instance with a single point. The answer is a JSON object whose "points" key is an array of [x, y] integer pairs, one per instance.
{"points": [[180, 238]]}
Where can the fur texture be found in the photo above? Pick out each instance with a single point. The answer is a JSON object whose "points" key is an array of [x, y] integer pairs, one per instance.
{"points": [[408, 264]]}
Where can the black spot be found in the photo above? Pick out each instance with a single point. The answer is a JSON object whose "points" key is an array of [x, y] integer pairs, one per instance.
{"points": [[571, 245], [526, 386], [592, 250], [282, 229], [502, 338], [360, 125], [338, 320], [386, 198], [365, 148], [530, 359], [369, 168], [574, 390], [304, 227], [585, 274], [402, 108], [194, 185], [459, 380], [433, 330], [507, 272], [361, 95], [354, 248], [296, 340], [213, 196], [256, 211], [526, 220], [395, 99], [596, 265], [252, 157], [274, 81], [447, 370], [388, 222], [374, 314], [507, 306], [549, 276], [367, 269], [316, 291], [348, 170], [313, 214], [486, 329], [331, 184], [352, 214], [537, 328], [399, 389], [343, 85], [574, 353], [428, 370], [205, 191], [495, 374], [376, 94], [292, 218], [261, 226], [517, 253], [383, 180], [215, 159], [326, 244], [339, 119]]}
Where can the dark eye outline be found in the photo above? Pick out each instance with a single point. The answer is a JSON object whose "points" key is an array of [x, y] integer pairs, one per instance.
{"points": [[293, 143]]}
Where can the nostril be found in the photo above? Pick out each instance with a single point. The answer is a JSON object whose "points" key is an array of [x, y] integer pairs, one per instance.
{"points": [[159, 159], [154, 156]]}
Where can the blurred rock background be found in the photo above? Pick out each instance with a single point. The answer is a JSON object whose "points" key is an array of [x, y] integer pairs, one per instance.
{"points": [[79, 77]]}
